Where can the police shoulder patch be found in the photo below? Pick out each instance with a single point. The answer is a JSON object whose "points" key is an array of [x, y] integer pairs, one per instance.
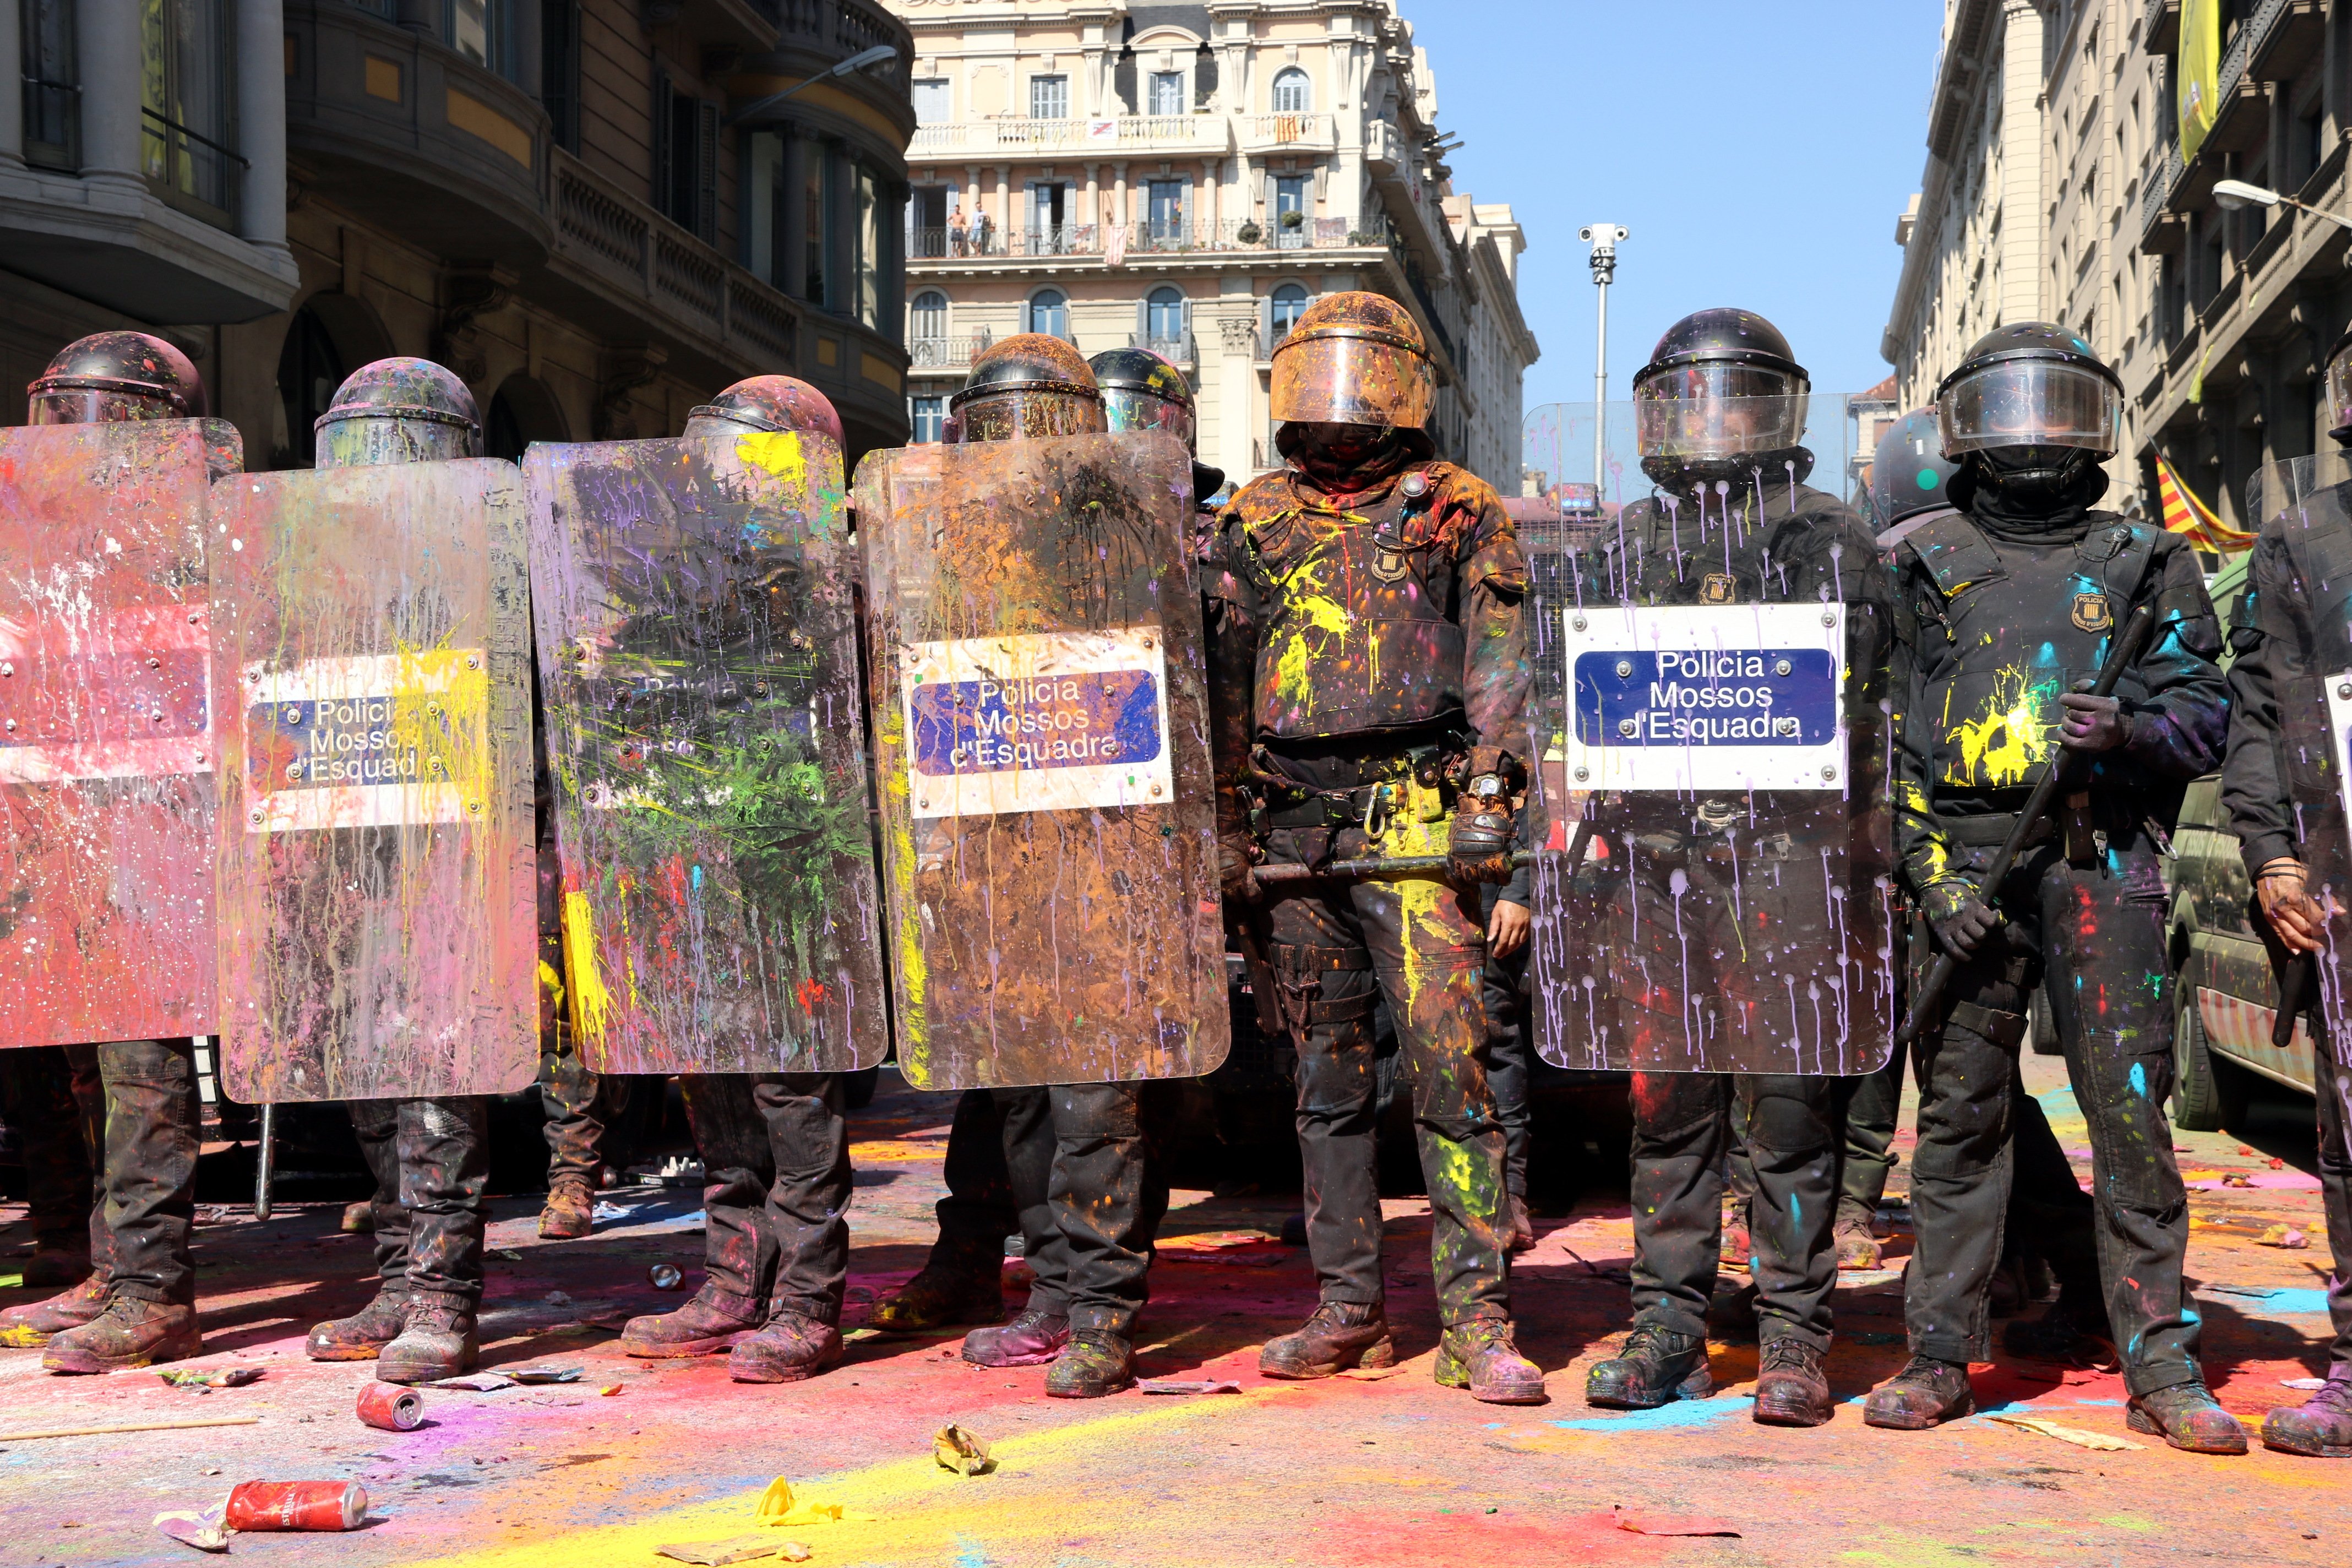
{"points": [[2091, 611], [1717, 589]]}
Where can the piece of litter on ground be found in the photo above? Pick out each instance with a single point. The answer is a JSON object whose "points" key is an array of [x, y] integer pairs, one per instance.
{"points": [[778, 1507], [2074, 1435], [792, 1552], [474, 1383], [556, 1299], [1188, 1386], [1671, 1524], [506, 1255], [544, 1374], [612, 1211], [741, 1549], [963, 1452], [2303, 1383], [1370, 1373], [210, 1377], [609, 1390], [2285, 1235], [202, 1530]]}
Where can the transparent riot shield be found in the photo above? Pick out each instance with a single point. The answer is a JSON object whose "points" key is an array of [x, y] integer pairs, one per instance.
{"points": [[376, 886], [106, 757], [2302, 508], [1716, 892], [1040, 744], [698, 657]]}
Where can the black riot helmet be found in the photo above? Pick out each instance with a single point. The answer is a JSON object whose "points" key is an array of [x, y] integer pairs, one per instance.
{"points": [[107, 377], [1908, 472], [1026, 386], [1722, 395], [2032, 411], [2339, 389], [1143, 390]]}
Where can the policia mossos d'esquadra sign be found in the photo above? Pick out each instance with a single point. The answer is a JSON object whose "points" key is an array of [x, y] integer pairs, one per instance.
{"points": [[698, 655], [1038, 709], [377, 896], [105, 746]]}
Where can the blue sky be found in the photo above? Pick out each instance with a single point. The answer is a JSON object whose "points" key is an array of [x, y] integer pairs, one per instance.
{"points": [[1760, 153]]}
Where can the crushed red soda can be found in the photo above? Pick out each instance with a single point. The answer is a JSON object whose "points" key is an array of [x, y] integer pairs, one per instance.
{"points": [[296, 1505], [392, 1407]]}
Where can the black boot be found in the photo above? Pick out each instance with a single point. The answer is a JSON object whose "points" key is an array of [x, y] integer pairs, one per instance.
{"points": [[1791, 1389], [1094, 1362], [1339, 1335], [2321, 1427], [2069, 1334], [364, 1334], [1656, 1366], [1031, 1338], [940, 1297], [438, 1340], [1925, 1393], [2187, 1416]]}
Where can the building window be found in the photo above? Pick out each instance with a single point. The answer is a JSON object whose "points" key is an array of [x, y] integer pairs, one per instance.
{"points": [[1164, 320], [482, 31], [187, 98], [559, 70], [685, 159], [928, 416], [308, 370], [1291, 95], [1049, 313], [1049, 212], [1291, 200], [927, 318], [926, 221], [52, 86], [1290, 304], [1164, 209], [1167, 92], [1049, 98], [815, 187], [868, 236], [931, 101]]}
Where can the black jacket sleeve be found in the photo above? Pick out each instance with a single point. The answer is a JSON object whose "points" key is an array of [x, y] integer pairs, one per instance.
{"points": [[2265, 643]]}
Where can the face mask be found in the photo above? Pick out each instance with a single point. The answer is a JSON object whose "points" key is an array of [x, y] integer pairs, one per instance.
{"points": [[1348, 456], [2030, 476]]}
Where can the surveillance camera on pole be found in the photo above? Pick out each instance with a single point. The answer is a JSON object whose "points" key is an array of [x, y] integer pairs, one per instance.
{"points": [[1603, 238]]}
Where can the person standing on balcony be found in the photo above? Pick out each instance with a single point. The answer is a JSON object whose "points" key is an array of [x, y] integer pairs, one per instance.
{"points": [[956, 231]]}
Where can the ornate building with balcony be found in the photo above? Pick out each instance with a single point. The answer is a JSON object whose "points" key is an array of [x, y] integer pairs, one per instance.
{"points": [[597, 212], [1188, 177]]}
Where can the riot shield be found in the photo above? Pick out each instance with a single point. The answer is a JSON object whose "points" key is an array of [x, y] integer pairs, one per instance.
{"points": [[2304, 508], [106, 759], [698, 657], [1717, 895], [1040, 744], [376, 866]]}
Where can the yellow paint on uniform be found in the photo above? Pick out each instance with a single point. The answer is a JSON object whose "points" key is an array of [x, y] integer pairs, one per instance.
{"points": [[2010, 736], [778, 453], [592, 1004]]}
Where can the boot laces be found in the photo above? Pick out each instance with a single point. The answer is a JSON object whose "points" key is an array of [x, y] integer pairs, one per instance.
{"points": [[1652, 1343], [1787, 1354]]}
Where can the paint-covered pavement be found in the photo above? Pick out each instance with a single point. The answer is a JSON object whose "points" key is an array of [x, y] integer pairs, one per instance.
{"points": [[1369, 1471]]}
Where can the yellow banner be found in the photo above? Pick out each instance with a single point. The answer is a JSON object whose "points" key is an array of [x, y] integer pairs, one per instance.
{"points": [[2198, 88]]}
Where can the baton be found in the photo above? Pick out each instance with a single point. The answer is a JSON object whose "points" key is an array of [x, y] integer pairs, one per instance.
{"points": [[2037, 806], [1380, 866], [2294, 995]]}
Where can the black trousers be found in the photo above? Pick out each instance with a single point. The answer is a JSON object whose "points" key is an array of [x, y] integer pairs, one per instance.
{"points": [[1868, 1108], [2334, 1085], [153, 1127], [2098, 934], [432, 1156], [579, 1104], [58, 1109], [776, 1192], [1510, 1057], [1071, 1168], [1683, 1129]]}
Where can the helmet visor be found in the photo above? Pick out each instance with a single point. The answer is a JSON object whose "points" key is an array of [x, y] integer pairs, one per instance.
{"points": [[1022, 414], [1132, 409], [1351, 380], [92, 406], [1672, 421], [2030, 402]]}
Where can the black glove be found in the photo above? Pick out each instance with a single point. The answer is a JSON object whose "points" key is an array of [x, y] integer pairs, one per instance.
{"points": [[1479, 847], [2092, 723], [1236, 873], [1961, 919]]}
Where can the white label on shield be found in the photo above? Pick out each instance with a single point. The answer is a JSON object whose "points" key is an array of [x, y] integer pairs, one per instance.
{"points": [[1043, 722], [1717, 696], [2340, 731]]}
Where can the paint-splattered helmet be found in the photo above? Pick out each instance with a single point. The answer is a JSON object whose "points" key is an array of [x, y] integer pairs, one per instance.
{"points": [[1354, 358], [1026, 386], [1908, 472], [109, 377], [399, 410], [767, 404], [1722, 394]]}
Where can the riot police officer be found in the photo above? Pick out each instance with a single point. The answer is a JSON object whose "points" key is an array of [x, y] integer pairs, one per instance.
{"points": [[1908, 472], [1720, 409], [775, 1146], [2279, 783], [421, 1324], [1368, 677], [1067, 1164], [137, 1097], [2005, 610]]}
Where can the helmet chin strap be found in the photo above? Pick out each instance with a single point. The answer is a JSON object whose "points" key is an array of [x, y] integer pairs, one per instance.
{"points": [[2030, 476]]}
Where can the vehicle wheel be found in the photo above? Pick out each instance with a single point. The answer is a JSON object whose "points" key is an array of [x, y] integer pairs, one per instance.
{"points": [[2202, 1101]]}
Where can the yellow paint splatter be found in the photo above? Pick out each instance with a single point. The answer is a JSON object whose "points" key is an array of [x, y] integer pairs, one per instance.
{"points": [[2010, 736], [776, 452], [592, 1004]]}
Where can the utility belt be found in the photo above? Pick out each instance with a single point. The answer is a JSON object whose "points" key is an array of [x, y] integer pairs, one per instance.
{"points": [[1677, 828], [2090, 822], [1415, 783]]}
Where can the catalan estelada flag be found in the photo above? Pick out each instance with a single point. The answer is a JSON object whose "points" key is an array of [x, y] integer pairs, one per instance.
{"points": [[2185, 514]]}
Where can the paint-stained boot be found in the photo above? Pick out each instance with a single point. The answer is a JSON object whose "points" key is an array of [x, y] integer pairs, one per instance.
{"points": [[359, 1219], [571, 1211], [1522, 1233], [1737, 1244], [132, 1331], [2187, 1416], [789, 1349], [1791, 1389], [1341, 1334], [364, 1334], [436, 1340], [711, 1320], [939, 1299], [1481, 1357], [34, 1324], [2070, 1333], [2321, 1427], [1096, 1361], [1857, 1243], [1656, 1366], [55, 1263], [1031, 1338], [1925, 1393]]}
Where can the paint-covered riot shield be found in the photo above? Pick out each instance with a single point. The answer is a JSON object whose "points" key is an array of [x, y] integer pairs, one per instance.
{"points": [[372, 674], [698, 657], [106, 752], [1040, 744], [1712, 668]]}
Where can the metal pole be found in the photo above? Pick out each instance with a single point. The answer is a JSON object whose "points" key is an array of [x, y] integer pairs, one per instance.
{"points": [[1603, 238], [265, 1165]]}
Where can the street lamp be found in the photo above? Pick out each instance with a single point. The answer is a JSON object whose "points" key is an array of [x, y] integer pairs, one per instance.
{"points": [[2234, 195], [1603, 238], [880, 54]]}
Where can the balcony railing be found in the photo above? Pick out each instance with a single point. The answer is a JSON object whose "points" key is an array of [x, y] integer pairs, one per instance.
{"points": [[976, 244], [1178, 350], [1286, 130], [948, 352], [1108, 134], [2162, 177], [191, 171]]}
